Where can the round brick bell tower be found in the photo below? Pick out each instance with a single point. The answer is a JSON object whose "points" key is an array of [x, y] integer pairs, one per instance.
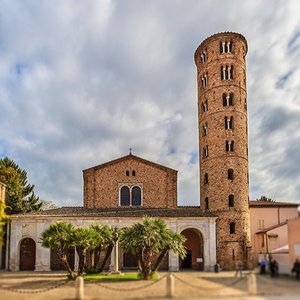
{"points": [[223, 143]]}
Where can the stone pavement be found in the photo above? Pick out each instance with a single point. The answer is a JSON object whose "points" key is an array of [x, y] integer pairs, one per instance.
{"points": [[188, 285]]}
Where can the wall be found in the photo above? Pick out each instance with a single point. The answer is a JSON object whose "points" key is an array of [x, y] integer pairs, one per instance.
{"points": [[102, 183], [294, 240]]}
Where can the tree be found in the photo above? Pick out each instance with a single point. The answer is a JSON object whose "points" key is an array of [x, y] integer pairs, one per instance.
{"points": [[148, 239], [60, 237], [3, 220], [264, 198], [84, 239], [106, 242], [46, 205], [20, 196]]}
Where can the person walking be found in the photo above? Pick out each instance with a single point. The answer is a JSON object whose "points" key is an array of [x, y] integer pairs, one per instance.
{"points": [[238, 269], [296, 268], [263, 265]]}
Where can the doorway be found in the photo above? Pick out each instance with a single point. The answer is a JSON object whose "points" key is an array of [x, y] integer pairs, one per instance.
{"points": [[27, 254]]}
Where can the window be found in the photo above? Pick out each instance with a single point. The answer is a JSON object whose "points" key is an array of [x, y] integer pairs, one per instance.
{"points": [[205, 151], [232, 228], [227, 72], [130, 196], [127, 173], [204, 80], [233, 256], [125, 196], [205, 178], [136, 195], [225, 47], [228, 99], [204, 56], [133, 173], [230, 174], [261, 224], [206, 203], [204, 106], [228, 122], [231, 200], [204, 129], [229, 146]]}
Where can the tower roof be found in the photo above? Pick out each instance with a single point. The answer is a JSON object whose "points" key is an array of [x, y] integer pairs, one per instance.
{"points": [[216, 35]]}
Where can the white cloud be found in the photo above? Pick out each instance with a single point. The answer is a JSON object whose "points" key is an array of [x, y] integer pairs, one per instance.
{"points": [[81, 82]]}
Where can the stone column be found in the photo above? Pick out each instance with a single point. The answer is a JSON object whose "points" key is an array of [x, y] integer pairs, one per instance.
{"points": [[42, 262], [173, 262], [15, 239]]}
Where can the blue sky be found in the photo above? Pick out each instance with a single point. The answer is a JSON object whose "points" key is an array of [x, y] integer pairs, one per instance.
{"points": [[83, 81]]}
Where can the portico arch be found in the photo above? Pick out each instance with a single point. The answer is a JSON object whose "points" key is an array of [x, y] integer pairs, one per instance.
{"points": [[195, 250]]}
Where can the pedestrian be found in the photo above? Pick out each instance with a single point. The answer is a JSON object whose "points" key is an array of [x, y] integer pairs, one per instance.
{"points": [[274, 269], [263, 265], [238, 269], [296, 268]]}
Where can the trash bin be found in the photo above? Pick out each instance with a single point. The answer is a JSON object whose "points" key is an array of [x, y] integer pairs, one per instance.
{"points": [[217, 268]]}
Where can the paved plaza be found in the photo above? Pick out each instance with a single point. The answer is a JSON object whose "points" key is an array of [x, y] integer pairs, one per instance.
{"points": [[188, 285]]}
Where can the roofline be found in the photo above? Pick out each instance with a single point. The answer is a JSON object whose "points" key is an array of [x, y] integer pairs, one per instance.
{"points": [[272, 227], [257, 203], [216, 35], [114, 161]]}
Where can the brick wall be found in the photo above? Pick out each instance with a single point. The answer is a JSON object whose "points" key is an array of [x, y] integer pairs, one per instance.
{"points": [[230, 247], [102, 183]]}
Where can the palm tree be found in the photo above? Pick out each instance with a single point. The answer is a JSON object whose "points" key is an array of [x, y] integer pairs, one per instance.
{"points": [[84, 239], [59, 237], [149, 238], [107, 242], [170, 241]]}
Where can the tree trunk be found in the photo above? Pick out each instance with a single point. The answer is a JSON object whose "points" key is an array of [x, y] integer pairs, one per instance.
{"points": [[107, 255], [147, 256], [64, 259], [97, 253], [81, 255], [160, 259]]}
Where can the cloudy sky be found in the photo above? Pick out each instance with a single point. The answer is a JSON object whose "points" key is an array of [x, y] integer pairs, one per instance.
{"points": [[83, 81]]}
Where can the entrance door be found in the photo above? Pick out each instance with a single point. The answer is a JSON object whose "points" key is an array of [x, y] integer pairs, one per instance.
{"points": [[187, 261], [129, 261], [27, 254]]}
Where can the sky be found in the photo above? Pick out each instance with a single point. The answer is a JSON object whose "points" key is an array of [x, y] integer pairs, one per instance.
{"points": [[81, 82]]}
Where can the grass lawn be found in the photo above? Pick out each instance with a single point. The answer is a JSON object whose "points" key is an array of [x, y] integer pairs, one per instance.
{"points": [[115, 277]]}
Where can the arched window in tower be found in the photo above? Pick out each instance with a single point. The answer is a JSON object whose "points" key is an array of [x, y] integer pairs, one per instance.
{"points": [[136, 196], [205, 151], [204, 80], [204, 106], [125, 196], [225, 47], [230, 174], [232, 228], [231, 200], [229, 146], [206, 203], [127, 173], [227, 72], [204, 129], [228, 122], [205, 178], [204, 56], [133, 173], [227, 99]]}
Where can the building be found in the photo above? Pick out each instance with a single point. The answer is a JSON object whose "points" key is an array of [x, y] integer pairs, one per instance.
{"points": [[272, 230], [223, 143], [120, 192], [2, 199]]}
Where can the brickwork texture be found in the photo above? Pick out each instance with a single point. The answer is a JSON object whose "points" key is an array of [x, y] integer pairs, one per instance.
{"points": [[220, 59]]}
